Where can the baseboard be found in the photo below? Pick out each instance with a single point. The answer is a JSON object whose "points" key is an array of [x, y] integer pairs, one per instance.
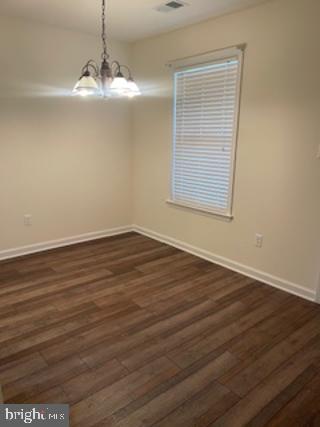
{"points": [[68, 241], [274, 281], [277, 282]]}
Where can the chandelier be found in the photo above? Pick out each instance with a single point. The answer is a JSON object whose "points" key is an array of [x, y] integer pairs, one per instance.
{"points": [[108, 79]]}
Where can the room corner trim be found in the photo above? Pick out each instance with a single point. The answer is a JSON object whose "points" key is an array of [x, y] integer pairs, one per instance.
{"points": [[59, 243], [318, 290], [274, 281]]}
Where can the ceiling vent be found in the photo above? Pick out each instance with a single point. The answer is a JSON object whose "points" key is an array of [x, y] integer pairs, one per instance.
{"points": [[171, 6]]}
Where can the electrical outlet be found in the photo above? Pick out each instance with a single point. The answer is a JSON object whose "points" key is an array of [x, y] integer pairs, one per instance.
{"points": [[27, 219], [259, 240]]}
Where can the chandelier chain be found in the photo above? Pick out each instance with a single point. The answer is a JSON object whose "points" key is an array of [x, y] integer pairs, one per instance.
{"points": [[105, 54]]}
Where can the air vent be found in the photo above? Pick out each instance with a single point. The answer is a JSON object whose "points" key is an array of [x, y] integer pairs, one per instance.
{"points": [[171, 6], [174, 4]]}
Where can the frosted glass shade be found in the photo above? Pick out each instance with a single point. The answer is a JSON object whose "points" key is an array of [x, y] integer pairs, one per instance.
{"points": [[119, 85], [86, 86], [132, 89]]}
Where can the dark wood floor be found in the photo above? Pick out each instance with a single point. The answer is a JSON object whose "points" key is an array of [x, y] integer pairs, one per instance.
{"points": [[131, 332]]}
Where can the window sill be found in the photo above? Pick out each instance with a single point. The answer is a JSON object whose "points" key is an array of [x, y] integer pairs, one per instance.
{"points": [[222, 216]]}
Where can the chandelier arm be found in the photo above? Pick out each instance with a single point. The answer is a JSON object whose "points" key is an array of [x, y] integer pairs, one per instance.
{"points": [[128, 70], [118, 66], [93, 65]]}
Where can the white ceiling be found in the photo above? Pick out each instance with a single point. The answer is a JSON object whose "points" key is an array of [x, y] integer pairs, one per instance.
{"points": [[128, 20]]}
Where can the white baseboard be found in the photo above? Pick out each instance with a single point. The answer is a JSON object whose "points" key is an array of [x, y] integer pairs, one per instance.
{"points": [[52, 244], [277, 282], [261, 276]]}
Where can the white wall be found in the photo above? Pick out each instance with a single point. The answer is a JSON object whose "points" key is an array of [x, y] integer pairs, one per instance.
{"points": [[66, 161], [277, 174]]}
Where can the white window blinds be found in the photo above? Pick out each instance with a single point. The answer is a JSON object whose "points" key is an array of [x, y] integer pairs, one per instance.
{"points": [[205, 128]]}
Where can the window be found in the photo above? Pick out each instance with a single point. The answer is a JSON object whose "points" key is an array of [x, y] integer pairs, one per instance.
{"points": [[206, 102]]}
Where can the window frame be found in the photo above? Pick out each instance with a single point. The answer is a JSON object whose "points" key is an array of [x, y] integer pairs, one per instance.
{"points": [[189, 63]]}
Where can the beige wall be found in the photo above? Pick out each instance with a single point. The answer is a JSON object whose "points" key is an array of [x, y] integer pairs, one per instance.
{"points": [[277, 175], [66, 161]]}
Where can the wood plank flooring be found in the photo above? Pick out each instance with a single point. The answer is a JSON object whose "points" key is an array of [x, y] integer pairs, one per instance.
{"points": [[131, 332]]}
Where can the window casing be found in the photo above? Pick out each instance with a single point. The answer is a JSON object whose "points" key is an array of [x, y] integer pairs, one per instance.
{"points": [[206, 110]]}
